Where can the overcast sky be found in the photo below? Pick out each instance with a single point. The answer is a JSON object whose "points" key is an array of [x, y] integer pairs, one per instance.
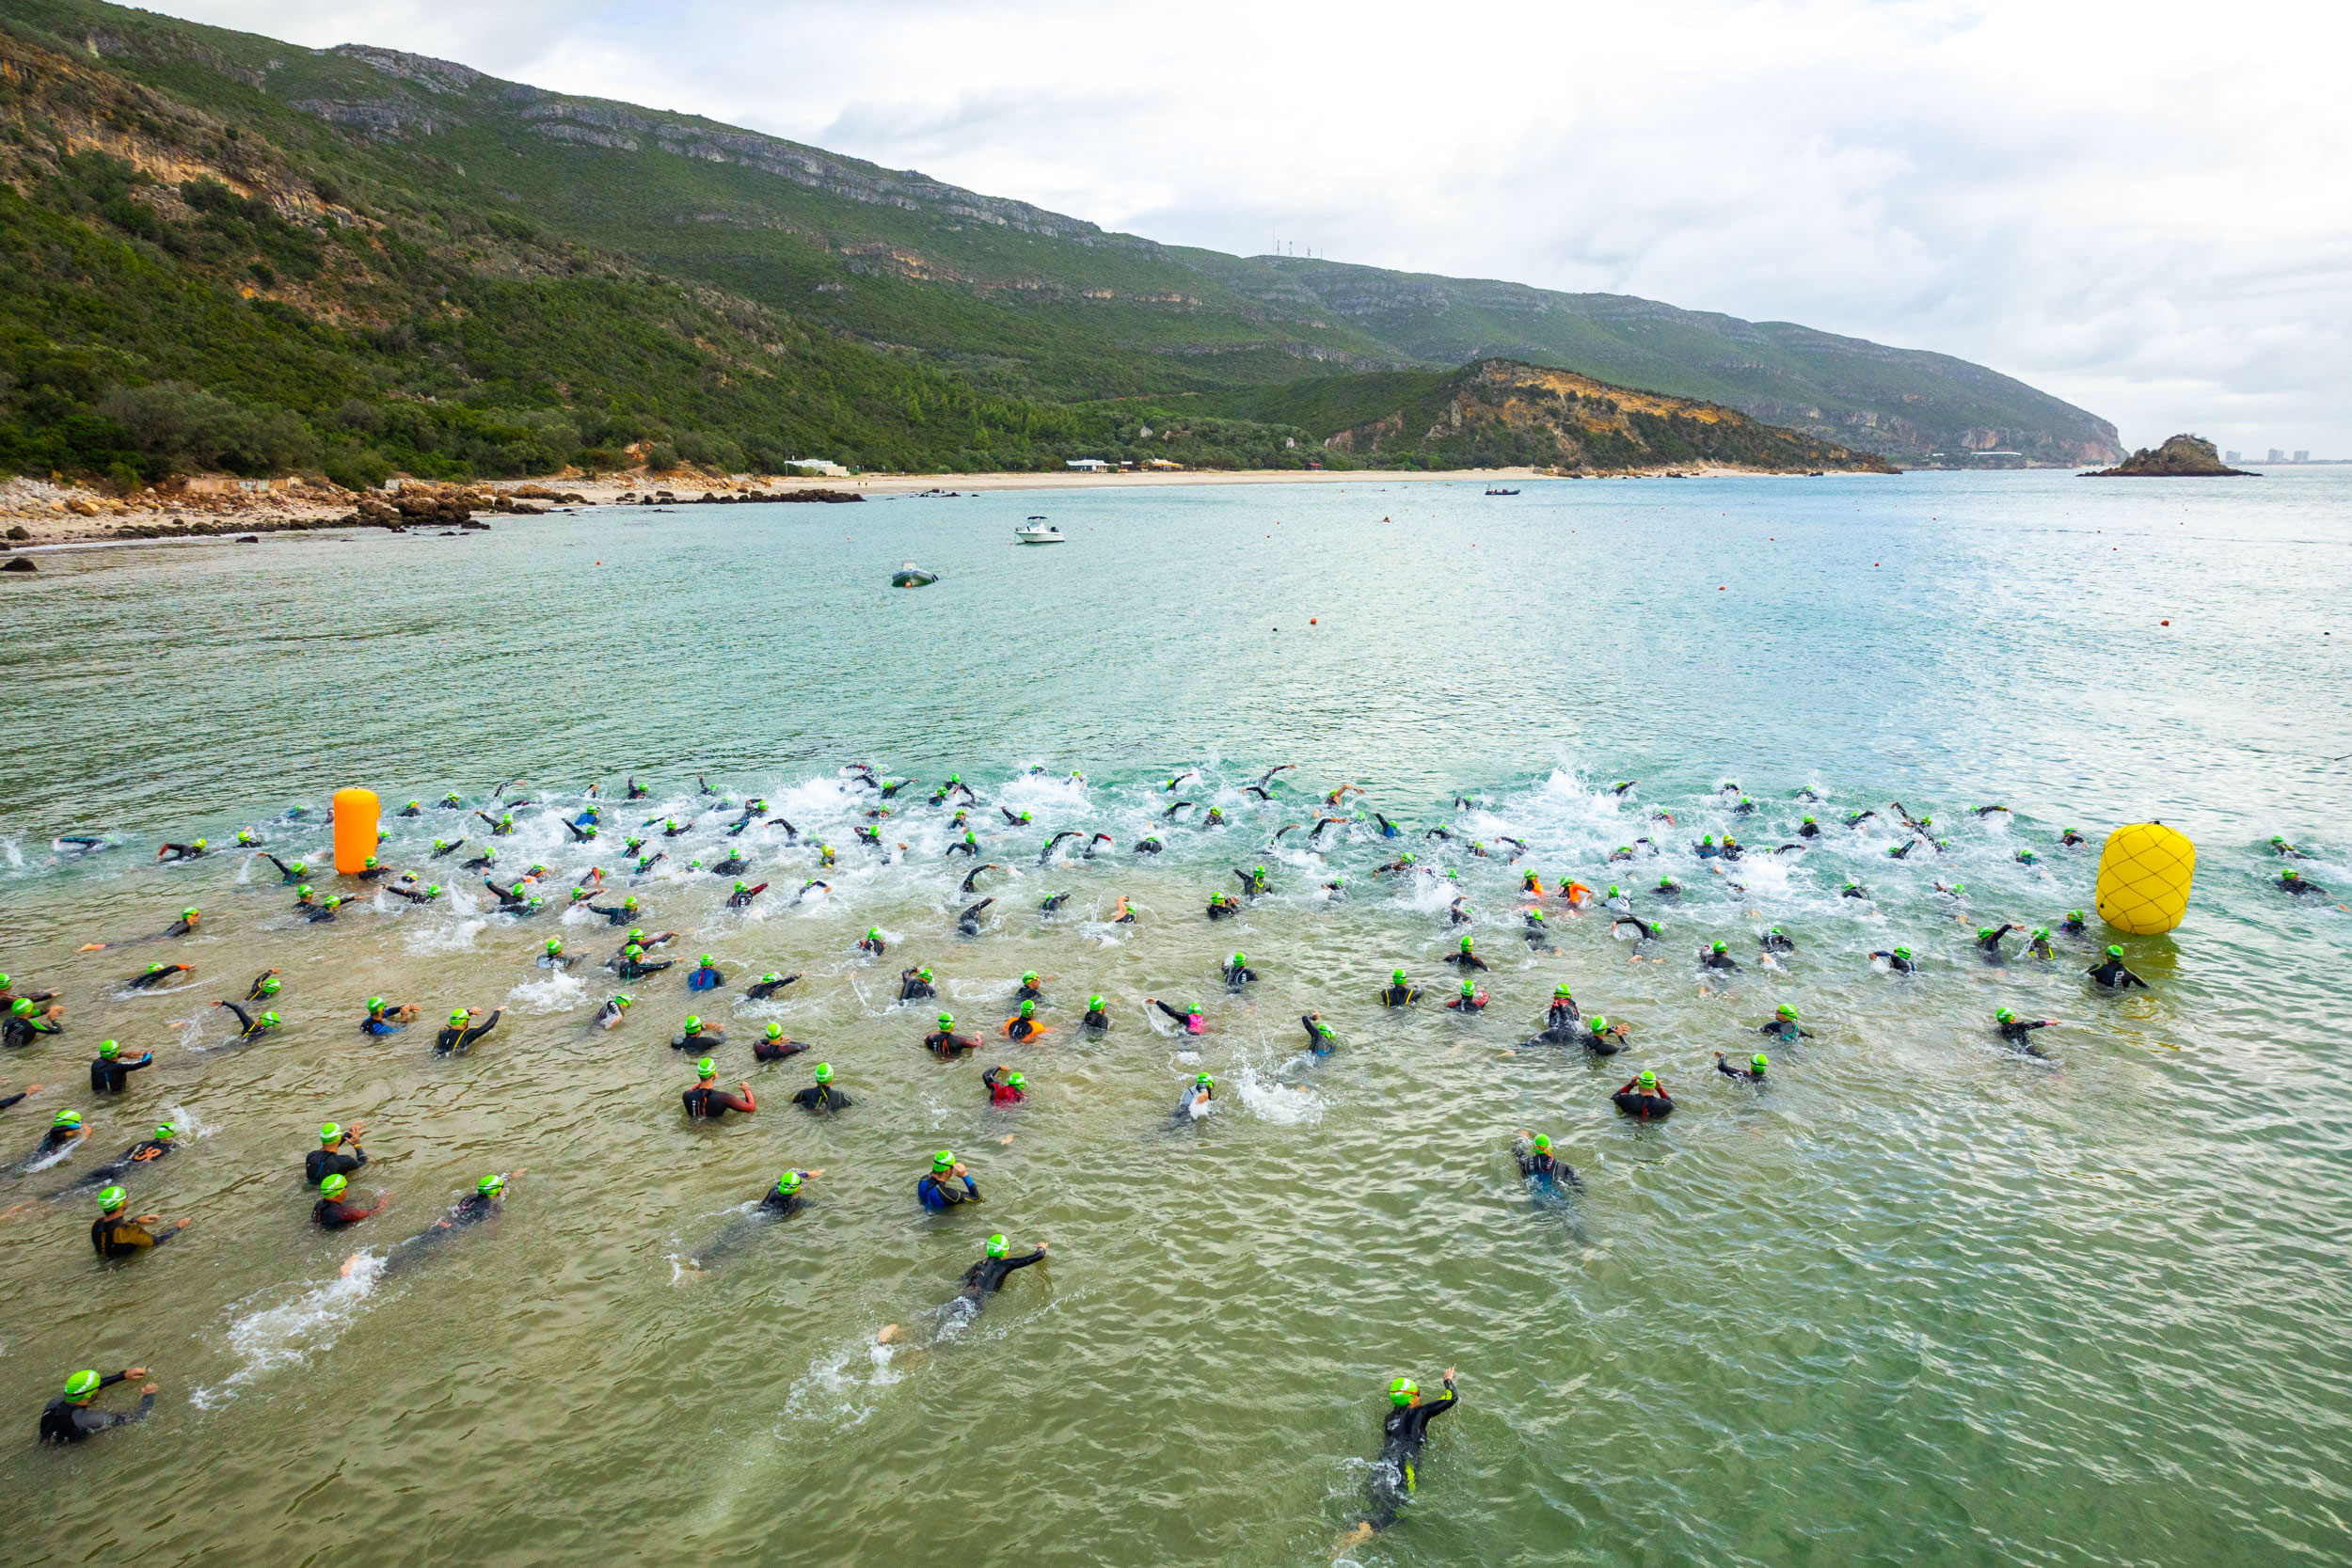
{"points": [[2145, 209]]}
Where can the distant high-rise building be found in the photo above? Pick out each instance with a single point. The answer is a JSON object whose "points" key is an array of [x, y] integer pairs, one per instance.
{"points": [[2303, 456], [2233, 457], [2275, 456]]}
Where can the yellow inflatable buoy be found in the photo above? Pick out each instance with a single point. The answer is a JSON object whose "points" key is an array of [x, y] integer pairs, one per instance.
{"points": [[2145, 876], [355, 814]]}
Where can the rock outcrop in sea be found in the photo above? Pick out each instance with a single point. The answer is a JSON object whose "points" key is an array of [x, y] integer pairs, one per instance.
{"points": [[2183, 457]]}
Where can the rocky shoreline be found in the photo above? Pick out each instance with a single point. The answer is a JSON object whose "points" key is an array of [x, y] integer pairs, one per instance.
{"points": [[2183, 456]]}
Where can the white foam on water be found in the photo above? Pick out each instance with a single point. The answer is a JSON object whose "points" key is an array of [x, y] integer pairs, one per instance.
{"points": [[558, 993], [286, 1334], [1284, 1104], [844, 1386], [187, 1127], [452, 935]]}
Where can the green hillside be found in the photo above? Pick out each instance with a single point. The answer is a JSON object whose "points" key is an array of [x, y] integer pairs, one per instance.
{"points": [[494, 278]]}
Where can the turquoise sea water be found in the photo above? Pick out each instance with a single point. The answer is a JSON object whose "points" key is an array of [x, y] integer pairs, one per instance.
{"points": [[1919, 1299]]}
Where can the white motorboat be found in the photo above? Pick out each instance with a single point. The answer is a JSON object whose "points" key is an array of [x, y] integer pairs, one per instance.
{"points": [[1037, 530]]}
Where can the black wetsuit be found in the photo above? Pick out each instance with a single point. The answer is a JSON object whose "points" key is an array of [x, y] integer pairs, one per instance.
{"points": [[63, 1421], [333, 1214], [248, 1027], [1991, 946], [121, 1236], [1601, 1045], [1648, 1105], [1545, 1170], [112, 1077], [146, 1151], [912, 987], [822, 1097], [452, 1037], [759, 991], [1403, 1431], [1895, 961], [708, 1105], [321, 1162], [969, 921], [781, 1204], [1397, 997], [2299, 884], [2019, 1033], [1746, 1076], [987, 1276], [157, 976], [1784, 1029], [1712, 960], [2113, 976], [469, 1210]]}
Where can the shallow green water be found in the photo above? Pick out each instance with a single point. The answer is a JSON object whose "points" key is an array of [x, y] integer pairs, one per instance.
{"points": [[1918, 1300]]}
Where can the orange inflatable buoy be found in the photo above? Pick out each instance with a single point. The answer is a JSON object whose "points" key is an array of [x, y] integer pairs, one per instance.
{"points": [[356, 814]]}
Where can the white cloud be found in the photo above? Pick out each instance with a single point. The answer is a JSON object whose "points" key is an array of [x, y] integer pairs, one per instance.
{"points": [[2142, 209]]}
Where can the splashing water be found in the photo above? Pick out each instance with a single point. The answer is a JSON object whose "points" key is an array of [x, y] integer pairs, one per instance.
{"points": [[287, 1335]]}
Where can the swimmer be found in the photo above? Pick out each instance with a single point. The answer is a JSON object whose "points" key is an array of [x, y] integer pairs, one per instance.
{"points": [[1005, 1086], [71, 1419], [1170, 814], [2038, 944], [1402, 1433], [2070, 839], [445, 847], [1097, 843], [462, 1030], [384, 1019], [812, 882], [1983, 812], [1667, 888], [1753, 1073], [2018, 1032], [1396, 867], [1704, 848], [1621, 787], [156, 975], [732, 862], [1194, 1102], [1122, 913], [705, 974], [371, 871], [1717, 956], [1170, 787], [1398, 993], [182, 851], [484, 1202], [133, 1159], [26, 1022], [1047, 853], [706, 1103], [821, 1097], [1899, 959], [1254, 881], [742, 898], [969, 921], [1028, 989], [2073, 925], [1644, 1098], [1336, 887], [1464, 957], [2279, 845], [331, 1212], [946, 1184], [1238, 973], [329, 1158], [289, 875], [1053, 902], [1223, 906], [554, 956], [1602, 1037], [946, 1044], [616, 1009], [248, 1027], [1809, 829], [1989, 941], [1856, 890], [2113, 976], [1320, 1041], [692, 1036], [1539, 1167], [114, 1234], [425, 895], [1856, 818], [1784, 1024], [1193, 1021], [1388, 828], [916, 984], [1024, 1024], [1645, 930], [973, 874], [1095, 1020], [109, 1073], [968, 844], [775, 1046], [630, 963], [1560, 1019], [65, 1131], [2292, 880], [1471, 1000], [1537, 934], [489, 857], [1457, 913]]}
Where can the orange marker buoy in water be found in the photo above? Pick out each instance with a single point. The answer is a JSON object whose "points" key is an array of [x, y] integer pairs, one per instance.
{"points": [[356, 814]]}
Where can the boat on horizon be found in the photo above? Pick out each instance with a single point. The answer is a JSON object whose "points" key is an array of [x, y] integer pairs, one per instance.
{"points": [[1037, 530], [1499, 490]]}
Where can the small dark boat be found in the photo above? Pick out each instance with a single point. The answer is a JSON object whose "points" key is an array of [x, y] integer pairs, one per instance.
{"points": [[911, 576], [1498, 490]]}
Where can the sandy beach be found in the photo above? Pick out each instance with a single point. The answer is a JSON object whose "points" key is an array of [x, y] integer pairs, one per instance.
{"points": [[37, 516]]}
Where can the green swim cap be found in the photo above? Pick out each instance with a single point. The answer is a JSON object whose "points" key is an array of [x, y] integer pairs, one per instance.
{"points": [[1401, 1392], [1560, 991], [706, 1067], [1094, 1004], [66, 1118], [1466, 944], [1649, 1079], [629, 902], [923, 973], [1468, 986], [1760, 1061], [1719, 947], [270, 983], [824, 1072], [1808, 819], [2292, 874], [329, 1132], [694, 1023], [81, 1383], [2003, 1015], [108, 1049], [1665, 882], [946, 1020], [624, 1000], [2042, 933], [708, 960], [997, 1246], [1788, 1011], [333, 899], [1903, 952], [775, 1031], [1016, 1081], [269, 1021], [1983, 931], [1028, 1008], [490, 1186], [1543, 1144], [1204, 1081], [555, 944], [2115, 952], [2074, 915], [303, 892], [1397, 976], [165, 1131], [111, 1198], [332, 1184], [739, 884], [633, 950], [21, 1007], [789, 1182], [873, 933], [944, 1160], [1707, 838], [1028, 977], [1613, 890], [458, 1014]]}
